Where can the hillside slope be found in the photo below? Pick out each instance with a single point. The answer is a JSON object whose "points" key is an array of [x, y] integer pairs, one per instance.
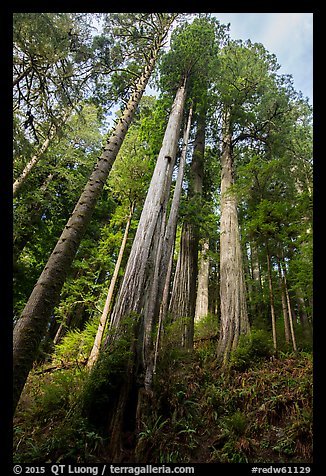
{"points": [[255, 412]]}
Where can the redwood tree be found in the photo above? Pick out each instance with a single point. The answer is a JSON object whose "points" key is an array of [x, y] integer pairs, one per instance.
{"points": [[33, 321]]}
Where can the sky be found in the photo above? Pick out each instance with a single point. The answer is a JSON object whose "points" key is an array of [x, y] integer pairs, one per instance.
{"points": [[288, 35]]}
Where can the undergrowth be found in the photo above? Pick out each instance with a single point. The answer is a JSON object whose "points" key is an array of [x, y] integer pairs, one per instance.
{"points": [[257, 410]]}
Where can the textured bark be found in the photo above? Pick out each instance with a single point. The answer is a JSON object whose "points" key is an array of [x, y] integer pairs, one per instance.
{"points": [[107, 306], [289, 307], [32, 324], [284, 304], [183, 296], [234, 319], [140, 266], [138, 291], [271, 297], [36, 157], [165, 268], [203, 281], [257, 285]]}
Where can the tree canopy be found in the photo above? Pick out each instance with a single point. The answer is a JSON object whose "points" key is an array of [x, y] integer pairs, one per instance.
{"points": [[134, 211]]}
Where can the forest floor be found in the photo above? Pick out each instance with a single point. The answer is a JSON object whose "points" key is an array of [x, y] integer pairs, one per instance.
{"points": [[257, 412]]}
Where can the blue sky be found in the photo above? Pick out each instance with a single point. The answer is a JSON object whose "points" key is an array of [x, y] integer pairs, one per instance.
{"points": [[288, 35]]}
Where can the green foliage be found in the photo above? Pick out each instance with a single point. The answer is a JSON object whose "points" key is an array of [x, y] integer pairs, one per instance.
{"points": [[260, 408], [103, 385], [54, 430], [192, 47], [205, 338], [76, 345], [253, 347], [49, 196]]}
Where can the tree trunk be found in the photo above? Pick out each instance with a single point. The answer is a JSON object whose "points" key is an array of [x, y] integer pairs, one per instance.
{"points": [[289, 307], [165, 268], [271, 296], [284, 304], [203, 281], [102, 324], [304, 320], [36, 157], [234, 319], [32, 324], [138, 291], [256, 274], [183, 296], [249, 281]]}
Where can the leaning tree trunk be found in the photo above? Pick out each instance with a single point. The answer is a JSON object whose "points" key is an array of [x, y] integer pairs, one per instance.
{"points": [[32, 324], [138, 291], [234, 319], [103, 319], [165, 268], [53, 131], [183, 296], [131, 295]]}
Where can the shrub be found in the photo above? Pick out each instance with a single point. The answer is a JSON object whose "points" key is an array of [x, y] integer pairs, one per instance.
{"points": [[252, 348], [206, 327]]}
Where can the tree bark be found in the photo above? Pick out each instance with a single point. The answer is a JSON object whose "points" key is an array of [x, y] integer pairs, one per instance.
{"points": [[103, 319], [183, 296], [289, 307], [203, 281], [271, 297], [165, 268], [284, 304], [256, 274], [138, 291], [32, 324], [234, 318]]}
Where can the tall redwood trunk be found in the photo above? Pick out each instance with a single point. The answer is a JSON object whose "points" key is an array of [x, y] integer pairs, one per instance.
{"points": [[165, 269], [171, 227], [183, 296], [32, 324], [203, 282], [138, 291], [284, 304], [271, 297], [234, 318], [257, 284]]}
